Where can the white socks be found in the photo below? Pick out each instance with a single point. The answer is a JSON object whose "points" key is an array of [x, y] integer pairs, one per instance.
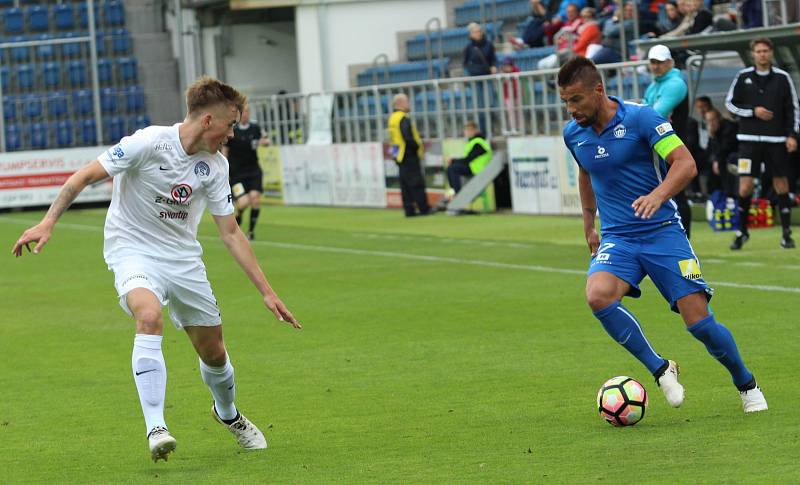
{"points": [[220, 381], [150, 375]]}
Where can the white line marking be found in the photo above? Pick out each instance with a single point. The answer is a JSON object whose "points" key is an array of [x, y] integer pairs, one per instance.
{"points": [[413, 257]]}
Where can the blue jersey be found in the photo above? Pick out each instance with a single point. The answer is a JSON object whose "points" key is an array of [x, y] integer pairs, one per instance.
{"points": [[624, 166]]}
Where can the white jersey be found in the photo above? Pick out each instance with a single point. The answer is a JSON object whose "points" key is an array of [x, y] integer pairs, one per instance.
{"points": [[160, 194]]}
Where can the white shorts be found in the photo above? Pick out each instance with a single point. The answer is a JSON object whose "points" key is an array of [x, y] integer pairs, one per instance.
{"points": [[181, 285]]}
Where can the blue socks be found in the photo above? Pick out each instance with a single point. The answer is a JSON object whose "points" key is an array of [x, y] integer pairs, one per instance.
{"points": [[625, 330], [720, 344]]}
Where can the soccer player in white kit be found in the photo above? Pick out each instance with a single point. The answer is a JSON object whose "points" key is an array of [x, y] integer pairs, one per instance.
{"points": [[164, 178]]}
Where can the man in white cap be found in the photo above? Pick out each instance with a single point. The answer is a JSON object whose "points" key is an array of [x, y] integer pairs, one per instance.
{"points": [[667, 94]]}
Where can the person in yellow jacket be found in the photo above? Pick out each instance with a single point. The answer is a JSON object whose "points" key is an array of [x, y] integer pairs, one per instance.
{"points": [[477, 155], [407, 149]]}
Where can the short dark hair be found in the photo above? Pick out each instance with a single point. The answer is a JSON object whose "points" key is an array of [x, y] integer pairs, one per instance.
{"points": [[761, 40], [705, 99], [578, 69], [207, 91]]}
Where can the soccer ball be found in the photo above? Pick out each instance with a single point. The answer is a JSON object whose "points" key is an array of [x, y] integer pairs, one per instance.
{"points": [[622, 401]]}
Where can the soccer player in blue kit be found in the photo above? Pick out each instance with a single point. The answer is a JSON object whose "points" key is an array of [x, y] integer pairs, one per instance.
{"points": [[621, 149]]}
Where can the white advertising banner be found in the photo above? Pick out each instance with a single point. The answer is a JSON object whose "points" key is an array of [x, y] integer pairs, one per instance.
{"points": [[350, 174], [535, 167], [570, 196], [319, 125], [34, 178]]}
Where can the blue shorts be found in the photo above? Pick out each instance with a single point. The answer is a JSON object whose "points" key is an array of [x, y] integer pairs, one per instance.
{"points": [[665, 255]]}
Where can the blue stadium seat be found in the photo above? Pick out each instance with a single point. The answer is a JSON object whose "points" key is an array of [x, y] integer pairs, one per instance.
{"points": [[10, 108], [72, 49], [100, 43], [127, 69], [5, 76], [120, 42], [88, 132], [38, 18], [45, 52], [82, 101], [138, 122], [38, 135], [51, 74], [32, 106], [65, 16], [14, 21], [63, 132], [104, 68], [6, 3], [134, 99], [20, 53], [114, 13], [108, 101], [77, 73], [24, 74], [56, 104], [113, 129], [13, 138], [83, 13]]}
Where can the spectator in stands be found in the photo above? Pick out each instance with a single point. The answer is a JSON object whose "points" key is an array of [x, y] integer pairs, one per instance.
{"points": [[573, 43], [696, 19], [511, 100], [671, 19], [697, 142], [752, 14], [610, 48], [533, 35], [667, 94], [567, 17], [477, 155], [480, 60], [722, 148], [765, 100], [407, 150]]}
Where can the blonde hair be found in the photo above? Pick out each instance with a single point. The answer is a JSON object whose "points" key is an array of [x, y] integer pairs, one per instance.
{"points": [[207, 91]]}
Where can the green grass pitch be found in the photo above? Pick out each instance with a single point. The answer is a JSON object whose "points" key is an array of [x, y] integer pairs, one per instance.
{"points": [[434, 350]]}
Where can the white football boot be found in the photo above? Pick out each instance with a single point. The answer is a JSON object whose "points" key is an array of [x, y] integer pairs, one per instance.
{"points": [[753, 400], [247, 434], [668, 382], [161, 443]]}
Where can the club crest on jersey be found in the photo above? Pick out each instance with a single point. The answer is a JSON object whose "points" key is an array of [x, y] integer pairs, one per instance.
{"points": [[663, 128], [202, 169], [117, 151], [181, 193], [601, 152], [619, 131]]}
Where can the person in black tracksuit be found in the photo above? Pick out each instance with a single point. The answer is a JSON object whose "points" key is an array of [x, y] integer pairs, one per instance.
{"points": [[765, 100]]}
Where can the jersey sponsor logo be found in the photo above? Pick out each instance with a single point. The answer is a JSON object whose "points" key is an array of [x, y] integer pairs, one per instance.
{"points": [[744, 165], [163, 147], [180, 215], [582, 142], [663, 128], [202, 169], [690, 269], [620, 131], [230, 198], [167, 201], [117, 151], [181, 193], [747, 80], [130, 278], [601, 152]]}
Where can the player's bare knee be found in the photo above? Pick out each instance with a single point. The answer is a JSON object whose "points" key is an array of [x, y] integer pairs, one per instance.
{"points": [[598, 298], [214, 355], [149, 321]]}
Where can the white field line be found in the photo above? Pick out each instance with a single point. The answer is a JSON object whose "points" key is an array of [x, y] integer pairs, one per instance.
{"points": [[413, 257]]}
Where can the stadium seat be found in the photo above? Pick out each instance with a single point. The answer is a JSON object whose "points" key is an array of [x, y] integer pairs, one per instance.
{"points": [[134, 99], [82, 101], [63, 132], [83, 13], [38, 135], [120, 42], [56, 104], [88, 132], [138, 122], [114, 13], [113, 129], [24, 74], [10, 107], [13, 138], [72, 49], [20, 53], [65, 16], [77, 73], [5, 76], [51, 74], [14, 21], [32, 106], [6, 3], [38, 18], [127, 69], [100, 43], [45, 52], [104, 68], [108, 101]]}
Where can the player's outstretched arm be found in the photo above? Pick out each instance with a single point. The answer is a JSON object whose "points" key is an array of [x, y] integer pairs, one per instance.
{"points": [[589, 210], [40, 233], [242, 252], [682, 170]]}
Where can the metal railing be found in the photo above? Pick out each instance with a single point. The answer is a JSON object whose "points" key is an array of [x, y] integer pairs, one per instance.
{"points": [[504, 104], [429, 43]]}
